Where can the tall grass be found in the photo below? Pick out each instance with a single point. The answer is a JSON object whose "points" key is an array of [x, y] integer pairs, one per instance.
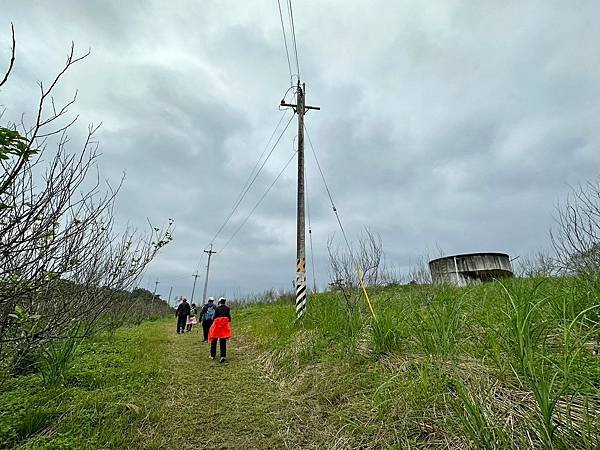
{"points": [[500, 365], [56, 359], [551, 375], [525, 331], [478, 420], [106, 394], [336, 320], [438, 326], [387, 331]]}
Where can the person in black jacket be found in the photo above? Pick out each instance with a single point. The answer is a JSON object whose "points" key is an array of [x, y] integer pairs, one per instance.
{"points": [[207, 316], [182, 311]]}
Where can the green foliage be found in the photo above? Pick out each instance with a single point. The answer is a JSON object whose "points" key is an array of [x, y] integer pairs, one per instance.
{"points": [[335, 320], [55, 360], [103, 398], [494, 366], [497, 365], [13, 144], [387, 331], [478, 421], [438, 323], [34, 422], [546, 346], [26, 323], [525, 330]]}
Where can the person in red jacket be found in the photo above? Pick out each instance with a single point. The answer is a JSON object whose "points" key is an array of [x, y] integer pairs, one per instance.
{"points": [[220, 330]]}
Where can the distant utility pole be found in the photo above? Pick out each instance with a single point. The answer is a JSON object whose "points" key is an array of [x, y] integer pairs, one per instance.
{"points": [[194, 287], [170, 292], [300, 108], [210, 253], [156, 283]]}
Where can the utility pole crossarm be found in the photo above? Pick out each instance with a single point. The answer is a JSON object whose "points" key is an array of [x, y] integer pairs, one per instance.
{"points": [[290, 105]]}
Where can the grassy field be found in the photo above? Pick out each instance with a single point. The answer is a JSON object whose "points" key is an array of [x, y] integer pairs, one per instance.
{"points": [[496, 366], [106, 396], [208, 405], [148, 388], [500, 365]]}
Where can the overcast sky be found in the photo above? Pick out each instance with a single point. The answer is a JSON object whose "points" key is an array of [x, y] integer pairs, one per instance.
{"points": [[453, 125]]}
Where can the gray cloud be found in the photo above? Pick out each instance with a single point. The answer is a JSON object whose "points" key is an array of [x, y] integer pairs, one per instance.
{"points": [[456, 124]]}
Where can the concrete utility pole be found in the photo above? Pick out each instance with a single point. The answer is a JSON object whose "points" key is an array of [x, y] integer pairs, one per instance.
{"points": [[210, 253], [156, 283], [194, 288], [300, 108]]}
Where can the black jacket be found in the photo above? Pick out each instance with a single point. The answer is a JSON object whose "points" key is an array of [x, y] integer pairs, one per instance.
{"points": [[183, 309], [223, 311]]}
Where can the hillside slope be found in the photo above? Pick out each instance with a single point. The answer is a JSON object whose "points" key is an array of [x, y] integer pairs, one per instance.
{"points": [[509, 364], [498, 366]]}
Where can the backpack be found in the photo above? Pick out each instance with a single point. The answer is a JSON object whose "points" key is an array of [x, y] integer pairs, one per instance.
{"points": [[210, 313]]}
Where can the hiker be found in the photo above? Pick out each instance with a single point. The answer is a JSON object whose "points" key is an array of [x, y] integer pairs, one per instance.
{"points": [[182, 312], [191, 319], [207, 316], [220, 330]]}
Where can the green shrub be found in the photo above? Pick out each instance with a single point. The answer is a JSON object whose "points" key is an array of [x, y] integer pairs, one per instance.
{"points": [[56, 359]]}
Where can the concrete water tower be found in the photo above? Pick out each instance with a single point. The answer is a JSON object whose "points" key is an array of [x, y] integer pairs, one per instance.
{"points": [[470, 268]]}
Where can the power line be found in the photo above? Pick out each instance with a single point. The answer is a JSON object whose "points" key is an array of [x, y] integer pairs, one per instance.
{"points": [[252, 177], [294, 35], [287, 53], [328, 191], [250, 180], [248, 183], [312, 253], [199, 262], [261, 155], [259, 201]]}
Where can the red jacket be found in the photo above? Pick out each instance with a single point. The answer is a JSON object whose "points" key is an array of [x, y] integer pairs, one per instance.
{"points": [[220, 329]]}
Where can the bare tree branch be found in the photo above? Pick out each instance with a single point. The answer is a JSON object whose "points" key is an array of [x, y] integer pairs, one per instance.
{"points": [[576, 235], [12, 57]]}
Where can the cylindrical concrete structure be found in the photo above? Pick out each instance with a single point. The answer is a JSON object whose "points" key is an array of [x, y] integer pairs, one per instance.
{"points": [[470, 268]]}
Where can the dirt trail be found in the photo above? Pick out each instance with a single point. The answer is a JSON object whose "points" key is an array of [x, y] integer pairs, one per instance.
{"points": [[208, 405]]}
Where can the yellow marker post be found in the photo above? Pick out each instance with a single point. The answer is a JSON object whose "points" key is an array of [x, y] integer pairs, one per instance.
{"points": [[362, 285]]}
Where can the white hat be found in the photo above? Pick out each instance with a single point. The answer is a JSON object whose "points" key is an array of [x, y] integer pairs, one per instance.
{"points": [[211, 299]]}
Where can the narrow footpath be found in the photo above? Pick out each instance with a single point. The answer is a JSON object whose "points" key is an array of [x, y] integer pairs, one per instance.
{"points": [[209, 405]]}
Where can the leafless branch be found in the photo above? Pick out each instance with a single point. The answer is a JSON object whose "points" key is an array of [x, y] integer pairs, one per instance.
{"points": [[576, 235], [65, 270], [12, 56]]}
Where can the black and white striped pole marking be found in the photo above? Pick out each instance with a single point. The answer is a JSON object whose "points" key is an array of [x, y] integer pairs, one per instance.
{"points": [[300, 287]]}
